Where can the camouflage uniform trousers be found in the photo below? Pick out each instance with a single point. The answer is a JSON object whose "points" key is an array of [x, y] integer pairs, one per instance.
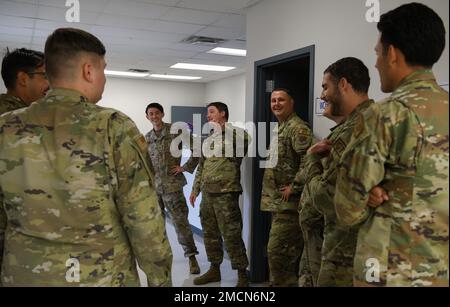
{"points": [[284, 249], [175, 205], [312, 225], [338, 252], [220, 216]]}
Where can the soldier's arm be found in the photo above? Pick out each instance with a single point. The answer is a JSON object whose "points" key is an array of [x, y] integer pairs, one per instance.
{"points": [[241, 143], [361, 167], [136, 201], [198, 177], [2, 230], [301, 140], [193, 161], [312, 167]]}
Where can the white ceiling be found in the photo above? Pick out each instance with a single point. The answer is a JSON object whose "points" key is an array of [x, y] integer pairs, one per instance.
{"points": [[143, 34]]}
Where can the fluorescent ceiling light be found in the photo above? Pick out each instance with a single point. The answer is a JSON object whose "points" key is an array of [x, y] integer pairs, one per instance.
{"points": [[173, 77], [202, 67], [126, 74], [229, 51]]}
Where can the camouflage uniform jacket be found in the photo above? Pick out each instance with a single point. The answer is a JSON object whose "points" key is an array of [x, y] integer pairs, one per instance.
{"points": [[219, 173], [163, 161], [294, 139], [74, 185], [402, 145], [10, 103], [321, 186]]}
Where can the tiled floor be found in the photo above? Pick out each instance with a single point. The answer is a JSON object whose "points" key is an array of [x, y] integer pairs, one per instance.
{"points": [[180, 266]]}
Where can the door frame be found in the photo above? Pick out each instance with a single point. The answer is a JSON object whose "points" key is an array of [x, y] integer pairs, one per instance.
{"points": [[260, 220]]}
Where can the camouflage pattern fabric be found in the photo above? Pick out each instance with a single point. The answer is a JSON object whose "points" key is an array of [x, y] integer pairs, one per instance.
{"points": [[339, 241], [75, 187], [221, 217], [294, 139], [10, 103], [163, 161], [175, 205], [402, 145], [285, 239], [284, 249], [218, 173]]}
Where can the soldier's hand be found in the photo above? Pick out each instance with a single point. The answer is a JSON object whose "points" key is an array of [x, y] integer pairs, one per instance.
{"points": [[192, 199], [177, 170], [377, 197], [286, 193], [322, 148]]}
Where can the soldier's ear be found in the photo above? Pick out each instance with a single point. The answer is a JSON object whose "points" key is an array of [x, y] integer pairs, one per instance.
{"points": [[343, 84], [87, 72], [22, 79], [392, 55]]}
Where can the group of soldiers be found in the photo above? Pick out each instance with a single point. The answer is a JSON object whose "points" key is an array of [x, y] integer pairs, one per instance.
{"points": [[83, 193]]}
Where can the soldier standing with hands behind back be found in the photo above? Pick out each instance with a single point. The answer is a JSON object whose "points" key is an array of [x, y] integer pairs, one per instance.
{"points": [[401, 144]]}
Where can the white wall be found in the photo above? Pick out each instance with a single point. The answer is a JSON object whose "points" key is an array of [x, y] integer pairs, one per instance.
{"points": [[132, 96], [337, 29], [2, 87], [232, 92]]}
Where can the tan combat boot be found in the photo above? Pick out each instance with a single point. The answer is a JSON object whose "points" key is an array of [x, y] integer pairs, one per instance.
{"points": [[242, 279], [193, 265], [213, 275]]}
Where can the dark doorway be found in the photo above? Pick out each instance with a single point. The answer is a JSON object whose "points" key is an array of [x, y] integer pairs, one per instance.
{"points": [[293, 70]]}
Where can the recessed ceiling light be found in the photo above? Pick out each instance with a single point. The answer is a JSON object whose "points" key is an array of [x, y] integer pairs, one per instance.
{"points": [[229, 51], [126, 74], [202, 67], [174, 77]]}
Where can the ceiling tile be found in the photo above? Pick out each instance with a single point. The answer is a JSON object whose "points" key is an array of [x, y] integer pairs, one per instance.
{"points": [[176, 27], [59, 14], [219, 32], [91, 5], [135, 9], [214, 6], [20, 9], [192, 16], [125, 21], [25, 22]]}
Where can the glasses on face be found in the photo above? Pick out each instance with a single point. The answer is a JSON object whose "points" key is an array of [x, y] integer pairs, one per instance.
{"points": [[42, 73]]}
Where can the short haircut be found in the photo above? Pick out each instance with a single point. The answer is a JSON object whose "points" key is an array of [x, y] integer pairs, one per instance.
{"points": [[64, 46], [154, 105], [286, 90], [353, 70], [19, 60], [221, 107], [417, 31]]}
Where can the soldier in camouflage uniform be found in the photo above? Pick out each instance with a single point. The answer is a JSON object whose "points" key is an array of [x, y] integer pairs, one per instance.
{"points": [[312, 221], [77, 206], [401, 144], [169, 180], [281, 191], [218, 178], [23, 72], [345, 87]]}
